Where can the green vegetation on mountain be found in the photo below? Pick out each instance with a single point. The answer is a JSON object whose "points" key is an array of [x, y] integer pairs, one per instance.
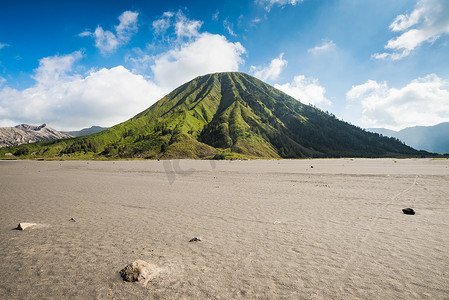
{"points": [[223, 115]]}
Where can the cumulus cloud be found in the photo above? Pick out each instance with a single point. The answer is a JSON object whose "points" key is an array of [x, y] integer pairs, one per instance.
{"points": [[161, 25], [424, 101], [185, 27], [106, 41], [192, 53], [268, 4], [305, 89], [69, 101], [140, 60], [127, 26], [426, 23], [324, 47], [208, 53], [56, 68], [272, 71]]}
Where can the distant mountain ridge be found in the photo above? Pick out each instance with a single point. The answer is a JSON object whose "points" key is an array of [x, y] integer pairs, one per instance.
{"points": [[224, 115], [85, 131], [429, 138], [24, 133]]}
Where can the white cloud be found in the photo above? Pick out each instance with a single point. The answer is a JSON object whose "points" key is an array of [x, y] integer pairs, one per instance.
{"points": [[168, 14], [208, 53], [428, 22], [55, 68], [185, 27], [191, 54], [229, 27], [2, 45], [256, 21], [161, 25], [424, 101], [306, 90], [324, 47], [107, 41], [268, 4], [85, 33], [65, 98], [127, 26], [215, 15], [104, 97], [272, 71], [140, 60]]}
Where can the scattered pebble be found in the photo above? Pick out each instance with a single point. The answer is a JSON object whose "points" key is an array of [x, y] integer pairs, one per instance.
{"points": [[23, 226], [408, 211], [72, 220], [195, 239]]}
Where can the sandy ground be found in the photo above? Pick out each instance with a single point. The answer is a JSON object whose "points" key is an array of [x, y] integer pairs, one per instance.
{"points": [[270, 229]]}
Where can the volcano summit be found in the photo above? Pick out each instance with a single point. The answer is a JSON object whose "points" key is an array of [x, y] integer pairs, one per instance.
{"points": [[226, 115]]}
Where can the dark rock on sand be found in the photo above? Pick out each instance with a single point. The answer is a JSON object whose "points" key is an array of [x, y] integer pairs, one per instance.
{"points": [[408, 211], [195, 239]]}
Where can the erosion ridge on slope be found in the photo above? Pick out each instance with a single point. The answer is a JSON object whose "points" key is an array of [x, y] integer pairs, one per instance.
{"points": [[225, 115]]}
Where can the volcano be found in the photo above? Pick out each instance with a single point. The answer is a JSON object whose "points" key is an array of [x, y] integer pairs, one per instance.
{"points": [[227, 115]]}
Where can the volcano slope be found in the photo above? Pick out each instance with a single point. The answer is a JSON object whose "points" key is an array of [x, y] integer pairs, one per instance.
{"points": [[224, 115]]}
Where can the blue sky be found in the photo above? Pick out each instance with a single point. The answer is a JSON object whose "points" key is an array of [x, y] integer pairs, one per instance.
{"points": [[74, 64]]}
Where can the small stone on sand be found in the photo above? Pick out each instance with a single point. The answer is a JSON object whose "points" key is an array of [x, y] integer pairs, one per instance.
{"points": [[23, 226], [195, 239], [408, 211], [72, 220]]}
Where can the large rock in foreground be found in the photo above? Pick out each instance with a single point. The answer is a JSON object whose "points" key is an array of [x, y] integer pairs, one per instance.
{"points": [[139, 271]]}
